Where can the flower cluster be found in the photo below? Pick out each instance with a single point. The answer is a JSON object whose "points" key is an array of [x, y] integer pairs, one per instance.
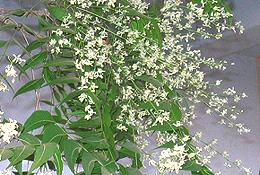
{"points": [[8, 129], [159, 79], [10, 71], [172, 160]]}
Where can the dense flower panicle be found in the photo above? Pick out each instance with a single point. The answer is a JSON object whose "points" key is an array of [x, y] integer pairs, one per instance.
{"points": [[169, 69], [8, 130]]}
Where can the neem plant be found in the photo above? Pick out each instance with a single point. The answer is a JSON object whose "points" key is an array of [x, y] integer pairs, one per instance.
{"points": [[122, 74]]}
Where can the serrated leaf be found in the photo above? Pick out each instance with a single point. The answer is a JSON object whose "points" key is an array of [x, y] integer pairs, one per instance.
{"points": [[64, 80], [71, 152], [176, 113], [164, 127], [52, 133], [60, 62], [29, 139], [35, 60], [31, 85], [58, 13], [58, 162], [7, 27], [107, 116], [42, 154], [37, 119], [19, 12], [5, 154], [88, 162], [72, 95], [43, 23], [37, 43], [21, 153], [169, 144], [83, 123], [191, 166], [149, 79]]}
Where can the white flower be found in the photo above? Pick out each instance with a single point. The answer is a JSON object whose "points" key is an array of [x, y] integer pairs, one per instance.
{"points": [[121, 127], [218, 82], [8, 130], [11, 72], [17, 59], [6, 172], [3, 87]]}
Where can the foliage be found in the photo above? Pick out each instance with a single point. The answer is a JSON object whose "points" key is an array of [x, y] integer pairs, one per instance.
{"points": [[119, 72]]}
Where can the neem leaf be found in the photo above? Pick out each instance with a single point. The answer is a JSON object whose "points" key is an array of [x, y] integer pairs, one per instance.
{"points": [[191, 166], [37, 119], [149, 79], [107, 116], [42, 154], [164, 127], [176, 113], [19, 12], [35, 60], [2, 43], [58, 162], [31, 85], [58, 13], [72, 95], [64, 80], [105, 171], [52, 133], [71, 152], [37, 43], [21, 153], [88, 162], [60, 62], [5, 154], [27, 138]]}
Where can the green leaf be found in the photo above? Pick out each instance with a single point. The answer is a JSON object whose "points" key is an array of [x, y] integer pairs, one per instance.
{"points": [[107, 116], [43, 24], [150, 79], [7, 27], [176, 113], [88, 162], [35, 60], [5, 154], [105, 171], [37, 43], [21, 153], [191, 166], [37, 119], [31, 85], [2, 43], [60, 62], [72, 95], [64, 80], [83, 123], [131, 147], [53, 133], [19, 12], [133, 171], [58, 162], [58, 13], [169, 144], [164, 127], [42, 154], [71, 152], [29, 139]]}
